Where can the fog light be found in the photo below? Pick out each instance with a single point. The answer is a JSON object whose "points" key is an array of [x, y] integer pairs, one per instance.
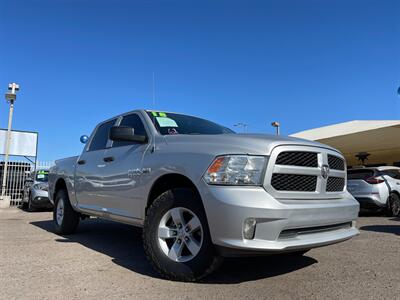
{"points": [[249, 228]]}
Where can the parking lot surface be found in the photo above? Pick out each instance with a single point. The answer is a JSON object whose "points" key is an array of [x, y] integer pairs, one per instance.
{"points": [[105, 260]]}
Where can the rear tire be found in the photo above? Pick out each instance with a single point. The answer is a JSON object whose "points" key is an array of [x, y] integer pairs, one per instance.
{"points": [[393, 205], [176, 211], [65, 218]]}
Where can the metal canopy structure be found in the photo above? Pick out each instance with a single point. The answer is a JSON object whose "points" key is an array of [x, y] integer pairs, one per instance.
{"points": [[378, 138]]}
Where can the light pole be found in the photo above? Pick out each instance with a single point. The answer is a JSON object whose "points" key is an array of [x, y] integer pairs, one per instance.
{"points": [[243, 125], [277, 125], [11, 97]]}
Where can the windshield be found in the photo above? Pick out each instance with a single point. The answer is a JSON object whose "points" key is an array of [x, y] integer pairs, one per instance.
{"points": [[169, 124], [42, 176]]}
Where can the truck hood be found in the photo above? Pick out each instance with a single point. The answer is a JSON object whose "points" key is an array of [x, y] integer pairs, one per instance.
{"points": [[261, 144]]}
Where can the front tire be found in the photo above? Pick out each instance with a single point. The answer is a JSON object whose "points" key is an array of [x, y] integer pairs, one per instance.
{"points": [[176, 237], [65, 218], [31, 208]]}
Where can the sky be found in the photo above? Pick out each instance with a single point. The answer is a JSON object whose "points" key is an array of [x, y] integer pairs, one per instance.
{"points": [[304, 63]]}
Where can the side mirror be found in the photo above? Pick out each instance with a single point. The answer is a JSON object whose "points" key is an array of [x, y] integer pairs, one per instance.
{"points": [[127, 134], [84, 139]]}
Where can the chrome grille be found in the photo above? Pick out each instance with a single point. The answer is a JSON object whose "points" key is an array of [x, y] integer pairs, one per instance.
{"points": [[293, 182], [335, 163], [298, 158], [302, 172], [335, 184]]}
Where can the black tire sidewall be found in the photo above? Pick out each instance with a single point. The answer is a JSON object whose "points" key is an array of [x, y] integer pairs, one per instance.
{"points": [[394, 198], [70, 219], [197, 267], [31, 208]]}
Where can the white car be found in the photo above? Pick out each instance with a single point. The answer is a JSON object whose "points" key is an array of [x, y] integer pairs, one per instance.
{"points": [[376, 188]]}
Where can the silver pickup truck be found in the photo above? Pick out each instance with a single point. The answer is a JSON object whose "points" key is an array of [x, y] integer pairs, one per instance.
{"points": [[202, 192]]}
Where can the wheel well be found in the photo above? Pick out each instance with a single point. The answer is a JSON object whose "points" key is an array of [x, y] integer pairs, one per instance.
{"points": [[60, 184], [392, 192], [167, 182], [395, 192]]}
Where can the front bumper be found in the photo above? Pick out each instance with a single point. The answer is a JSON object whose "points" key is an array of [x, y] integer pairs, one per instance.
{"points": [[370, 201], [227, 208], [43, 202], [40, 198]]}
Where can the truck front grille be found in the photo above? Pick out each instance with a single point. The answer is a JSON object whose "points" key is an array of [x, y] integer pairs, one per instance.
{"points": [[311, 172], [335, 184], [298, 158], [335, 163], [293, 182]]}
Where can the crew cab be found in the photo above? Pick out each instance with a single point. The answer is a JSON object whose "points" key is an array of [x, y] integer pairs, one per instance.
{"points": [[202, 192]]}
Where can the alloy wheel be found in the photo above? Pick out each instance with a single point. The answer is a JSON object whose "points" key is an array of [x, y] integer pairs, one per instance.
{"points": [[180, 234], [60, 211]]}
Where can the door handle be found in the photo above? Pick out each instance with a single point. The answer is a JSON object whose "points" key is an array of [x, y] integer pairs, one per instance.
{"points": [[81, 162], [108, 158]]}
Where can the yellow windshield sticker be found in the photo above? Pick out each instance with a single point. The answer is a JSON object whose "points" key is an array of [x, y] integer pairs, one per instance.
{"points": [[159, 114]]}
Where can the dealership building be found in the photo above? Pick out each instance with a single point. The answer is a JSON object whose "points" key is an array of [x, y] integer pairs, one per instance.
{"points": [[369, 143]]}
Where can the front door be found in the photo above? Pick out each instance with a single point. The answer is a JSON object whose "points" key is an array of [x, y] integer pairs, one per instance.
{"points": [[121, 183]]}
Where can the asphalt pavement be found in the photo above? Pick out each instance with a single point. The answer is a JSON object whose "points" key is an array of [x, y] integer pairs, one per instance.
{"points": [[105, 260]]}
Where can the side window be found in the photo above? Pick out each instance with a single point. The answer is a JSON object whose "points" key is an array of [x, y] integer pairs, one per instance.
{"points": [[100, 138], [136, 123], [392, 173]]}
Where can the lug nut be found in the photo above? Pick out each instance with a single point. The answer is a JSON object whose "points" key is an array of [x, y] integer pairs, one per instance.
{"points": [[187, 229], [178, 241], [186, 239]]}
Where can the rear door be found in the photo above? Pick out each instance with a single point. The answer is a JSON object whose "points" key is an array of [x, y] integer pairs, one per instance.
{"points": [[90, 170]]}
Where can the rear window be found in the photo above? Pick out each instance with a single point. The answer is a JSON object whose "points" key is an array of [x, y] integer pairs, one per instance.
{"points": [[359, 174]]}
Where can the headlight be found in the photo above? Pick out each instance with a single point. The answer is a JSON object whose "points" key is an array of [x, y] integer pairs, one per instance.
{"points": [[236, 170], [41, 186]]}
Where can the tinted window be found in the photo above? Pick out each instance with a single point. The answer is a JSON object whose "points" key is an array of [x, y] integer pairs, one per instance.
{"points": [[136, 123], [100, 138], [392, 173], [359, 174], [168, 123]]}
